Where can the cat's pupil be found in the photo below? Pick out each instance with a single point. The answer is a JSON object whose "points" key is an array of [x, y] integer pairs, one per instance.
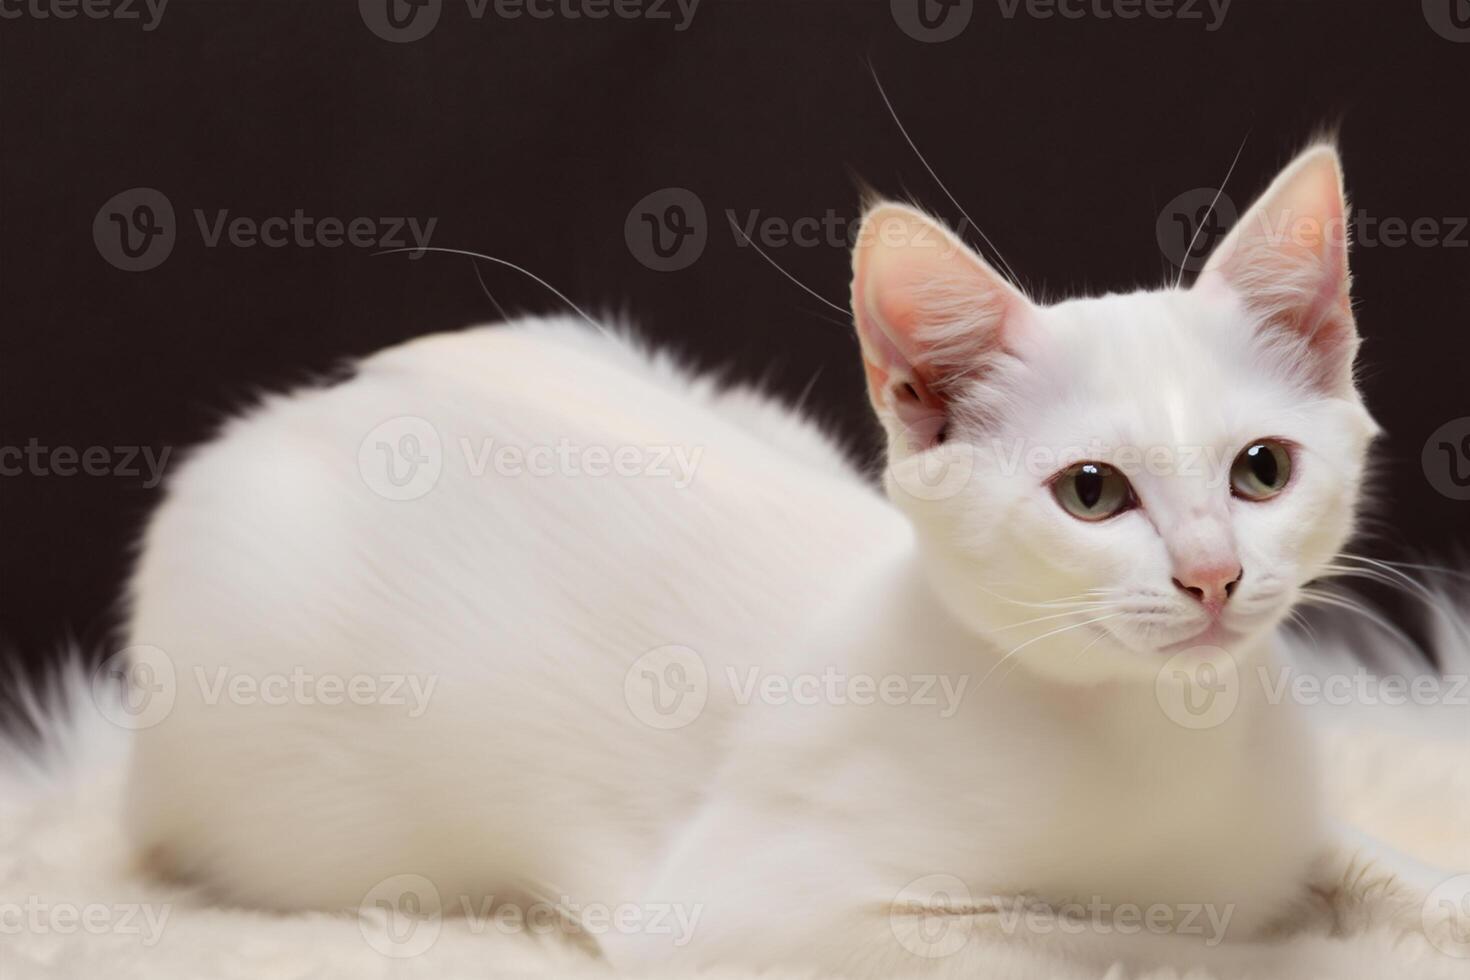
{"points": [[1089, 483], [1263, 465]]}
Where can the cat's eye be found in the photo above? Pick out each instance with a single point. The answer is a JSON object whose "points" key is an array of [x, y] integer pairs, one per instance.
{"points": [[1261, 471], [1092, 491]]}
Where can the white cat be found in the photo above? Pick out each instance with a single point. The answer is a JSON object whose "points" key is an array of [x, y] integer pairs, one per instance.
{"points": [[523, 612]]}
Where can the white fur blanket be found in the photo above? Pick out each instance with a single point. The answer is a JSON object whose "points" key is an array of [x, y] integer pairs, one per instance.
{"points": [[72, 905]]}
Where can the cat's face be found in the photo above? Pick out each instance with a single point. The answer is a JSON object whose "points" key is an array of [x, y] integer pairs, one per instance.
{"points": [[1103, 483]]}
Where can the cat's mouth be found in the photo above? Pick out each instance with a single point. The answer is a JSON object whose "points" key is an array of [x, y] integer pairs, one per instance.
{"points": [[1214, 635]]}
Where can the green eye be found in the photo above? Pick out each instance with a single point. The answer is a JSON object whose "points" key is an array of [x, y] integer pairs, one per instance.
{"points": [[1261, 471], [1093, 491]]}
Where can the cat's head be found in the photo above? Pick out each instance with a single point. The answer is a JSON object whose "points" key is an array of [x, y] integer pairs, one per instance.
{"points": [[1131, 475]]}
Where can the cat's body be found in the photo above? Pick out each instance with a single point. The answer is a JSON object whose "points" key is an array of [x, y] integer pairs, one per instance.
{"points": [[524, 620], [864, 739]]}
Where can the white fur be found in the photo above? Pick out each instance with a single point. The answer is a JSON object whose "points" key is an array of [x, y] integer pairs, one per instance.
{"points": [[63, 850], [498, 587], [524, 607]]}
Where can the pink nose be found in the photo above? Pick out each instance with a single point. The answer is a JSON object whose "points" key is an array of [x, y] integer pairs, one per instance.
{"points": [[1212, 585]]}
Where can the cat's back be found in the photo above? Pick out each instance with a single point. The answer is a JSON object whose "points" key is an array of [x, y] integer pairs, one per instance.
{"points": [[479, 532], [503, 466]]}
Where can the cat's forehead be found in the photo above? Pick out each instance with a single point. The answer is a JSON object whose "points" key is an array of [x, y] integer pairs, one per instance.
{"points": [[1146, 326], [1159, 367]]}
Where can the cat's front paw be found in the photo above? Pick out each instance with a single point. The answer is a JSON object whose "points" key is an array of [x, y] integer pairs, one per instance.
{"points": [[1365, 886]]}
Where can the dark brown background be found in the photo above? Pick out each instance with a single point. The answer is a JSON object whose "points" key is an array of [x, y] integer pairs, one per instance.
{"points": [[531, 140]]}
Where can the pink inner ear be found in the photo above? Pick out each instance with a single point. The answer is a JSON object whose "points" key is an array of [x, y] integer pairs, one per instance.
{"points": [[896, 384], [922, 414], [1287, 259], [928, 311]]}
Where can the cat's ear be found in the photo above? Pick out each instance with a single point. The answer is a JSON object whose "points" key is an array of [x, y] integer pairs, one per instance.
{"points": [[1287, 259], [931, 315]]}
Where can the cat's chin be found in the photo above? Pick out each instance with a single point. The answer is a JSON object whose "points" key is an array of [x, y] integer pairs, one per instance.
{"points": [[1216, 636], [1108, 658]]}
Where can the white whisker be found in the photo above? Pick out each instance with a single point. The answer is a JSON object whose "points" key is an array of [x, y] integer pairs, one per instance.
{"points": [[1338, 601], [1092, 643], [1385, 574], [486, 290], [1184, 259], [1038, 639], [1049, 603], [761, 252], [1082, 610], [971, 221], [510, 265]]}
